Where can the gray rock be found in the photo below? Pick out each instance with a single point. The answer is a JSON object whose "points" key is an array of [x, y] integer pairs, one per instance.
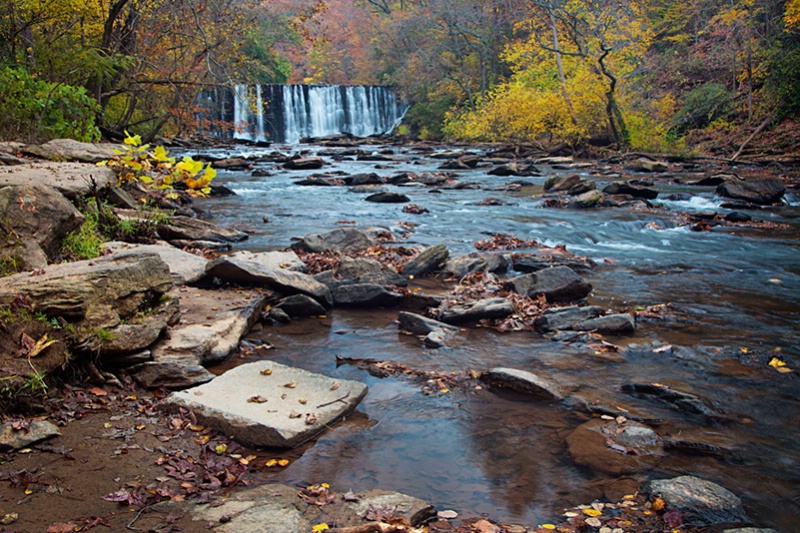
{"points": [[573, 185], [615, 448], [119, 197], [308, 163], [701, 502], [476, 262], [185, 268], [7, 159], [193, 229], [38, 430], [514, 169], [621, 187], [363, 179], [388, 198], [337, 240], [766, 191], [587, 199], [750, 530], [72, 150], [300, 305], [557, 318], [223, 405], [241, 269], [366, 295], [475, 311], [138, 334], [34, 220], [426, 262], [617, 324], [683, 401], [550, 257], [70, 179], [176, 374], [436, 333], [356, 267], [558, 284], [647, 165], [524, 382], [272, 260]]}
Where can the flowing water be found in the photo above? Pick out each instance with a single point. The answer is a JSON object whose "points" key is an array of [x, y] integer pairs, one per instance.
{"points": [[505, 455]]}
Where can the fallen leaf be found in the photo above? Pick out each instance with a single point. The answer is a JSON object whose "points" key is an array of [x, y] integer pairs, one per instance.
{"points": [[266, 372], [292, 384], [221, 448], [658, 504], [311, 419], [294, 414], [97, 391], [335, 385], [594, 522], [283, 462], [257, 399], [592, 512]]}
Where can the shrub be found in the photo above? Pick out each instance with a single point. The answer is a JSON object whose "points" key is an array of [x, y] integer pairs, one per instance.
{"points": [[701, 106], [37, 110]]}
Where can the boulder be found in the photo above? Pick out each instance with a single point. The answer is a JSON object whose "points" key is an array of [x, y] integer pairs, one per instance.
{"points": [[701, 502], [750, 530], [514, 169], [212, 324], [72, 150], [185, 267], [337, 240], [647, 165], [193, 229], [34, 220], [272, 260], [356, 267], [572, 185], [475, 311], [766, 191], [616, 324], [300, 305], [292, 405], [70, 179], [363, 179], [524, 382], [427, 261], [557, 318], [232, 163], [587, 199], [388, 198], [622, 187], [93, 295], [550, 257], [613, 447], [137, 334], [476, 262], [10, 159], [558, 284], [366, 295], [38, 430], [307, 163], [246, 270], [436, 333]]}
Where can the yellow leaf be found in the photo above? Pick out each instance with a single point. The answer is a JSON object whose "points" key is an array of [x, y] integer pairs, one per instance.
{"points": [[210, 173], [658, 504], [161, 154], [592, 512], [283, 462], [221, 448], [320, 527], [41, 345], [271, 463], [776, 363], [132, 140], [325, 486], [548, 526]]}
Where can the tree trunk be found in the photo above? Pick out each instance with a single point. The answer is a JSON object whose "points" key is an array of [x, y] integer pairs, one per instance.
{"points": [[561, 76], [616, 123]]}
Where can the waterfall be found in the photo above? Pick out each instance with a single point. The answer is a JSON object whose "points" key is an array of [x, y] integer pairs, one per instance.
{"points": [[288, 113]]}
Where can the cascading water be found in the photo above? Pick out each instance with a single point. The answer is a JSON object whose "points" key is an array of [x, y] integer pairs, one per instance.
{"points": [[288, 113]]}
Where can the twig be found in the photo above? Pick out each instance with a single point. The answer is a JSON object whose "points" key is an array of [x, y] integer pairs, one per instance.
{"points": [[135, 518], [334, 401]]}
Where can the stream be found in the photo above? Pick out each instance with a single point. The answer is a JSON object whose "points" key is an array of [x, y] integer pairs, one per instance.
{"points": [[505, 455]]}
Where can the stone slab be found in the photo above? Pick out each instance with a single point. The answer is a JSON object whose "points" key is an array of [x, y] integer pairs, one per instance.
{"points": [[70, 179], [184, 266], [283, 393]]}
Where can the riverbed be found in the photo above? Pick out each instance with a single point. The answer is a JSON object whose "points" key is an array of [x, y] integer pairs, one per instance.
{"points": [[736, 291]]}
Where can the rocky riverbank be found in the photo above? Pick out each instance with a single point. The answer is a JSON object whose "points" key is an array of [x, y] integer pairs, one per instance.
{"points": [[154, 316]]}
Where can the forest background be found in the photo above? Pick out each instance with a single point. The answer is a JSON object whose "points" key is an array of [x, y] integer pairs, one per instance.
{"points": [[647, 75]]}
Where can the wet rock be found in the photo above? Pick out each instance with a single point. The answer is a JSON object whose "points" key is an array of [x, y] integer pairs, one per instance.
{"points": [[615, 447], [621, 187], [261, 173], [314, 181], [276, 315], [212, 324], [586, 200], [464, 162], [355, 267], [387, 198], [682, 401], [476, 262], [558, 284], [365, 295], [514, 169], [558, 318], [647, 165], [38, 430], [272, 260], [766, 191], [337, 240], [232, 163], [363, 179], [617, 324], [737, 216], [193, 229], [701, 502], [426, 262], [600, 407], [750, 530], [185, 268], [436, 333], [243, 269], [524, 382], [72, 150], [549, 257], [223, 405], [35, 220], [92, 295], [573, 185], [475, 311], [308, 163], [300, 305]]}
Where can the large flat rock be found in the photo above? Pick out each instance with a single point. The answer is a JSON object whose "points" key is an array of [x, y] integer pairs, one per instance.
{"points": [[70, 179], [292, 406], [184, 266]]}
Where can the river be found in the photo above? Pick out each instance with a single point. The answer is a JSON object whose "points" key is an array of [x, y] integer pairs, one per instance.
{"points": [[505, 455]]}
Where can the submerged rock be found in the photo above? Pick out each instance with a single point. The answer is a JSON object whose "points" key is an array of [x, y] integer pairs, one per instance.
{"points": [[701, 502], [615, 447], [300, 305], [682, 401], [617, 324], [388, 198], [299, 404], [524, 382], [557, 318], [621, 187], [308, 163]]}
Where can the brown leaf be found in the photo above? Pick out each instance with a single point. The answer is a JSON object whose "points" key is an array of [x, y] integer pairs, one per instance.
{"points": [[292, 384], [257, 399], [311, 419]]}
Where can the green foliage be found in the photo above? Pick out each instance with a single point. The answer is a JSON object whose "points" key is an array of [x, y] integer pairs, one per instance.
{"points": [[158, 171], [426, 119], [701, 106], [783, 80], [8, 266], [86, 243], [37, 110]]}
